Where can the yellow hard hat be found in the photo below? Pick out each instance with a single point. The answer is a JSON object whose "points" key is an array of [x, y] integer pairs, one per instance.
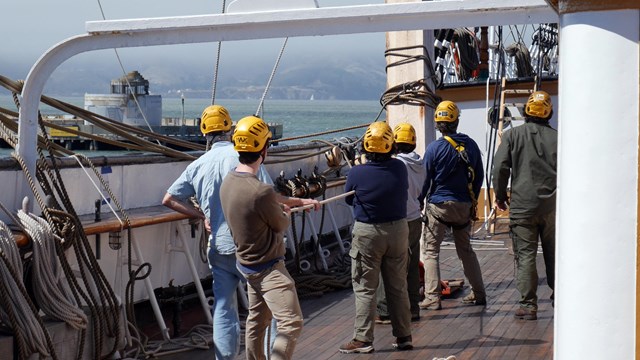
{"points": [[538, 105], [447, 111], [378, 138], [404, 133], [215, 118], [251, 134]]}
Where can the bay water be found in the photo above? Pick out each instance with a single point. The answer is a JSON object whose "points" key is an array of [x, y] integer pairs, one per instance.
{"points": [[298, 117]]}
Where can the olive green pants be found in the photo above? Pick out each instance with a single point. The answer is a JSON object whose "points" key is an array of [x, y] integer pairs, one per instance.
{"points": [[413, 274], [380, 249], [525, 233]]}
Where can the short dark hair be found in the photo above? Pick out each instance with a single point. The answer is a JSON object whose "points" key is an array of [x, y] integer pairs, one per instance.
{"points": [[538, 120], [378, 157], [247, 158], [405, 148], [447, 127]]}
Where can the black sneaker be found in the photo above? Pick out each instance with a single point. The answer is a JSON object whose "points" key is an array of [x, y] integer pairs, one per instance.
{"points": [[403, 343], [381, 319], [355, 346]]}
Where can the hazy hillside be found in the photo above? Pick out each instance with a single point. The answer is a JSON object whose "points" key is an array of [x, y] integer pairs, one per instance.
{"points": [[346, 79]]}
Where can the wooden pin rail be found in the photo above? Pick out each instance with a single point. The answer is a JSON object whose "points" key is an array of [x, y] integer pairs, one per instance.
{"points": [[138, 218]]}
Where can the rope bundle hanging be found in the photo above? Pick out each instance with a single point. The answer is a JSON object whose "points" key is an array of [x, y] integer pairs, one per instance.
{"points": [[419, 92], [16, 308], [522, 58], [48, 287], [467, 50]]}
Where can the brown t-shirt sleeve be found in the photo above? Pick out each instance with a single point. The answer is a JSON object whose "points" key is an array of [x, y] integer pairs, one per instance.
{"points": [[271, 210]]}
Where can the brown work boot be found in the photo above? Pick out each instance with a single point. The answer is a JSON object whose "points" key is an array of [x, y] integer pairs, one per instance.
{"points": [[403, 343], [471, 299], [356, 346], [430, 303], [526, 314]]}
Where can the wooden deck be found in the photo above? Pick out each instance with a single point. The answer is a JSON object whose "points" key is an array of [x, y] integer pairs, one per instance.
{"points": [[466, 332]]}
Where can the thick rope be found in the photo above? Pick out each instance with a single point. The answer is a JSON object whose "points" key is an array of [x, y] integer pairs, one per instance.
{"points": [[29, 330], [49, 285]]}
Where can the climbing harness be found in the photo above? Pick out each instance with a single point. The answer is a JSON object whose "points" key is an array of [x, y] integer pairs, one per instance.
{"points": [[471, 174]]}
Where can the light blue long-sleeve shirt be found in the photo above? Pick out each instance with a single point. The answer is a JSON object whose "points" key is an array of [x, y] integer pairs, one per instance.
{"points": [[203, 178]]}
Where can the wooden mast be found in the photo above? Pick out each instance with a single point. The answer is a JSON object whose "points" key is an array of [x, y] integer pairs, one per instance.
{"points": [[421, 117]]}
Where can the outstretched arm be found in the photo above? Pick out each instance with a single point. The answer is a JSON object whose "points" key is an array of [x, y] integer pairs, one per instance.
{"points": [[183, 207], [296, 202]]}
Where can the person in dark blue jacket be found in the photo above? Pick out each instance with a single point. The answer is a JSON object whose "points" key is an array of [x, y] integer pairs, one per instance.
{"points": [[380, 244], [454, 178]]}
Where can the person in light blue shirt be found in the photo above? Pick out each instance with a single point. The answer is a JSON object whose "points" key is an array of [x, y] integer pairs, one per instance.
{"points": [[202, 179]]}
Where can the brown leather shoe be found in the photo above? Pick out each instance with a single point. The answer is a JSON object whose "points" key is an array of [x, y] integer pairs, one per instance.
{"points": [[526, 314], [355, 346]]}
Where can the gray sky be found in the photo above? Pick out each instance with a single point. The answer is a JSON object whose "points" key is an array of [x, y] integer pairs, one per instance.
{"points": [[30, 27]]}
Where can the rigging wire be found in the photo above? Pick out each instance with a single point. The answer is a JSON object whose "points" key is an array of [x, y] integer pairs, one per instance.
{"points": [[273, 72], [217, 66], [124, 72], [493, 133]]}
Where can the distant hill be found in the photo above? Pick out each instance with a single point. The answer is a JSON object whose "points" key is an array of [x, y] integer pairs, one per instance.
{"points": [[346, 79]]}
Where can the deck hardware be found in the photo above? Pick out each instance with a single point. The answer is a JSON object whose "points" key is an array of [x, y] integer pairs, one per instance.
{"points": [[115, 242]]}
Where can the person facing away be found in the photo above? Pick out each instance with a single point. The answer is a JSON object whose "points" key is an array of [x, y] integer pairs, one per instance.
{"points": [[528, 155], [404, 136], [202, 179], [379, 240], [454, 177], [258, 218]]}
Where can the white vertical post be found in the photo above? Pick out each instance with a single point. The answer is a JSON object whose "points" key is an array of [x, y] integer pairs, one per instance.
{"points": [[596, 243], [194, 273], [152, 295]]}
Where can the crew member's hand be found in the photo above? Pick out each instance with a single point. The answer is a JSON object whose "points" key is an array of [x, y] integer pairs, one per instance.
{"points": [[286, 209], [501, 204], [314, 202]]}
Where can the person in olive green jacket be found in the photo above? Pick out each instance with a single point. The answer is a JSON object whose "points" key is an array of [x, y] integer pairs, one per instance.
{"points": [[528, 155]]}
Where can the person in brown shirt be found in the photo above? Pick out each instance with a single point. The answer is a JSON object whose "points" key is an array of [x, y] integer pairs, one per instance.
{"points": [[258, 218]]}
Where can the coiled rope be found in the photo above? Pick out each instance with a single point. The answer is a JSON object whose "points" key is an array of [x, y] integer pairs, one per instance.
{"points": [[49, 285], [467, 46], [419, 92], [16, 307], [522, 58]]}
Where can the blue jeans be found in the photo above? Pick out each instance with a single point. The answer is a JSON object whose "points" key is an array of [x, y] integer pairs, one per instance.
{"points": [[226, 324]]}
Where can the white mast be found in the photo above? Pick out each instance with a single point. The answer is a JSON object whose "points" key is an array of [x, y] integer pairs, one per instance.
{"points": [[597, 213]]}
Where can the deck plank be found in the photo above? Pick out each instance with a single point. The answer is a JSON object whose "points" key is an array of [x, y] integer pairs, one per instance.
{"points": [[468, 332]]}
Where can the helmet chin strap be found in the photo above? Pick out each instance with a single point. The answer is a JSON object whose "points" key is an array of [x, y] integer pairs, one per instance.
{"points": [[263, 155]]}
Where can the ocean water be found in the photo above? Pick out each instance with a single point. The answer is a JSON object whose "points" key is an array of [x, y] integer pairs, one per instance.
{"points": [[298, 117]]}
